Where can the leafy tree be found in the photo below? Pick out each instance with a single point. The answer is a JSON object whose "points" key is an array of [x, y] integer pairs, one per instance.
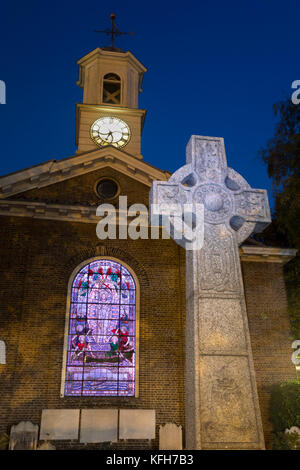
{"points": [[285, 405], [4, 440], [285, 414], [282, 157], [283, 441]]}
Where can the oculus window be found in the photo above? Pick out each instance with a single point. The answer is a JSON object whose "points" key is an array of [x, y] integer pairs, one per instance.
{"points": [[107, 188]]}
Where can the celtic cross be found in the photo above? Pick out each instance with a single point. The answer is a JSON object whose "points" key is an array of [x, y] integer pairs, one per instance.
{"points": [[221, 403]]}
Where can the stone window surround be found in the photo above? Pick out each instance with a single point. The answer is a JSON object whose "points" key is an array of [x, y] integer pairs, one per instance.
{"points": [[67, 320]]}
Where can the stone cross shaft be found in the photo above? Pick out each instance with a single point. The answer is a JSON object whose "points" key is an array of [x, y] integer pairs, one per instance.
{"points": [[221, 402]]}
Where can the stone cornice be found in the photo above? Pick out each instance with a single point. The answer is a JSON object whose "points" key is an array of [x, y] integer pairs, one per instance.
{"points": [[87, 214], [118, 111], [53, 171], [108, 108], [117, 56], [59, 212], [42, 210], [264, 254], [121, 56]]}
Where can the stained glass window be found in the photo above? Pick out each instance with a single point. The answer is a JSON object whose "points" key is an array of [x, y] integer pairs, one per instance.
{"points": [[101, 349]]}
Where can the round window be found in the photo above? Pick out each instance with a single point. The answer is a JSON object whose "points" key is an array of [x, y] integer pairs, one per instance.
{"points": [[107, 188]]}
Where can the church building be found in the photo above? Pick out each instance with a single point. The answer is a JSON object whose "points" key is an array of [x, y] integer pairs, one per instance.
{"points": [[93, 332]]}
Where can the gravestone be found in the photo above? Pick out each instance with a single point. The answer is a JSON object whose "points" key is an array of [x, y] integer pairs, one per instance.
{"points": [[23, 436], [46, 446], [221, 402], [99, 426], [137, 424], [170, 437]]}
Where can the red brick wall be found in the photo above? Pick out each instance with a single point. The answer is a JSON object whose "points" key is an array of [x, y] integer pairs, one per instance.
{"points": [[37, 259], [269, 330]]}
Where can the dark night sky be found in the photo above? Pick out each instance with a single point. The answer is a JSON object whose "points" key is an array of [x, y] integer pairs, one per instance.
{"points": [[214, 68]]}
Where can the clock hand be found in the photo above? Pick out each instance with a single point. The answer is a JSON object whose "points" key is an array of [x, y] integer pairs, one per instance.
{"points": [[105, 134], [110, 134]]}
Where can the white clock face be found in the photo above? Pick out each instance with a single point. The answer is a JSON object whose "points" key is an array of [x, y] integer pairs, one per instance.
{"points": [[110, 131]]}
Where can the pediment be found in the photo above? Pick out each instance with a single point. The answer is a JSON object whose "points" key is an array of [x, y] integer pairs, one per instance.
{"points": [[53, 171], [80, 190]]}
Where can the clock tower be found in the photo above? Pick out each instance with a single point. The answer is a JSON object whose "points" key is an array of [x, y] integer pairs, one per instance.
{"points": [[109, 115]]}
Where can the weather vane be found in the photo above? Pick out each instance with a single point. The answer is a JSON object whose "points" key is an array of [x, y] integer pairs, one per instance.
{"points": [[114, 32]]}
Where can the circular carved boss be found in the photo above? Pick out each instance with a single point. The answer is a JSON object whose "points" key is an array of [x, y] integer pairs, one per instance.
{"points": [[217, 202]]}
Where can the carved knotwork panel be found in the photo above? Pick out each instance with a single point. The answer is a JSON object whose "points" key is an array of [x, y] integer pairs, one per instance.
{"points": [[252, 205], [227, 413], [171, 193], [217, 261], [217, 202], [208, 155], [221, 326]]}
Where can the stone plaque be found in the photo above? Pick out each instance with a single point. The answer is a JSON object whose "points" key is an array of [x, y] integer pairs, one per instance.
{"points": [[59, 424], [170, 437], [23, 436], [137, 424], [99, 426], [2, 353]]}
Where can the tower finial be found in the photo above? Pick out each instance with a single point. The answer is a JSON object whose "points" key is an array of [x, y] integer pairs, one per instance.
{"points": [[114, 32]]}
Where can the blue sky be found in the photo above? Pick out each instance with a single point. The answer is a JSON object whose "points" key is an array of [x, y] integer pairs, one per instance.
{"points": [[214, 68]]}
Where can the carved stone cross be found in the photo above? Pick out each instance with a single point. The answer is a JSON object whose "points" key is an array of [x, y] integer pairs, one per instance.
{"points": [[221, 402]]}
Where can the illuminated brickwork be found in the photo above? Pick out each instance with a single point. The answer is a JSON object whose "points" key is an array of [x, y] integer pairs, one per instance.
{"points": [[38, 257]]}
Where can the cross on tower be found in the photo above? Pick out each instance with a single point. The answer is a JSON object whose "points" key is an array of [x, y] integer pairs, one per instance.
{"points": [[221, 402], [114, 32]]}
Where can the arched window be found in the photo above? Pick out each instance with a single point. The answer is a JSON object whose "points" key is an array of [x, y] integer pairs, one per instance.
{"points": [[111, 89], [100, 350]]}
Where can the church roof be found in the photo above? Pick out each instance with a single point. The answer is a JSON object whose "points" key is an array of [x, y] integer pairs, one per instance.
{"points": [[54, 171], [112, 49]]}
